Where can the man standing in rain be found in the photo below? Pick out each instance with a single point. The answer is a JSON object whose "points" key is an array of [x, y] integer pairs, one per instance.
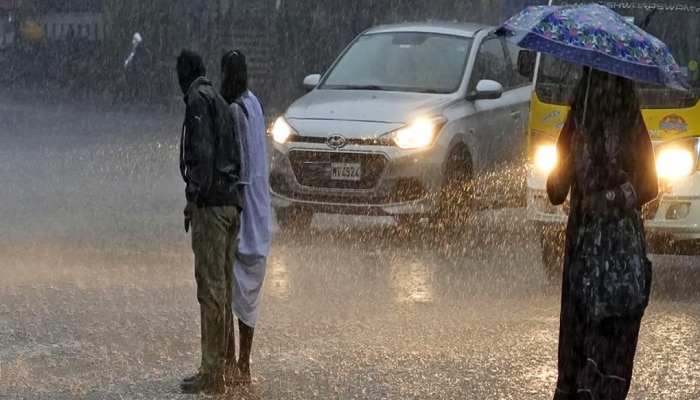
{"points": [[254, 239], [210, 162]]}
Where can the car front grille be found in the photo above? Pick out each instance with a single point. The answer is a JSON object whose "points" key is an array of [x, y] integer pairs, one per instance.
{"points": [[306, 166], [405, 190], [360, 142]]}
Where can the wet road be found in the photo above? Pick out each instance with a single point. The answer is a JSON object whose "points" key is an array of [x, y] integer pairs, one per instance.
{"points": [[97, 292]]}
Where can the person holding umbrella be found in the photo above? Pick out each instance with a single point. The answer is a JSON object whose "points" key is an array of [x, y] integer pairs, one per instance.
{"points": [[609, 169], [606, 165]]}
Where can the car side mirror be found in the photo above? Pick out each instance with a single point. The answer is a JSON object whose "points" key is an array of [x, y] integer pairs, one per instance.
{"points": [[526, 63], [311, 81], [486, 89]]}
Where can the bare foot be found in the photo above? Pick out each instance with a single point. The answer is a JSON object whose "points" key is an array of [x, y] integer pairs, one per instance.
{"points": [[242, 374]]}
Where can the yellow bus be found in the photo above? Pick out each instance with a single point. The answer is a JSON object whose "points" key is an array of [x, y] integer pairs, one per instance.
{"points": [[673, 120]]}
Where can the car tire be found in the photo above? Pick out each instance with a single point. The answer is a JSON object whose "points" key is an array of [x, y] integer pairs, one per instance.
{"points": [[454, 205], [293, 219], [552, 244]]}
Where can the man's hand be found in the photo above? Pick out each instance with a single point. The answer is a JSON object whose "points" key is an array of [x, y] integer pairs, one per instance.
{"points": [[189, 211]]}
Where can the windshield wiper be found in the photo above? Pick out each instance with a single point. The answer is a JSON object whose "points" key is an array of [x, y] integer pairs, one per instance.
{"points": [[358, 87], [438, 91]]}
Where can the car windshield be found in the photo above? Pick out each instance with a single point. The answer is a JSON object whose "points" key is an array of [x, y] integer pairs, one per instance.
{"points": [[402, 61], [675, 23]]}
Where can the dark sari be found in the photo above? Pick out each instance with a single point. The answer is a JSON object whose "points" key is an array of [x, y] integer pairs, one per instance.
{"points": [[596, 356]]}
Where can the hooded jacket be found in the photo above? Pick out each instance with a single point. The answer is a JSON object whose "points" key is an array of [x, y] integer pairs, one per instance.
{"points": [[210, 159]]}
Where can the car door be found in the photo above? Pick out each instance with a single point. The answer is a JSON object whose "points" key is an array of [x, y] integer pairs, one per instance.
{"points": [[492, 122]]}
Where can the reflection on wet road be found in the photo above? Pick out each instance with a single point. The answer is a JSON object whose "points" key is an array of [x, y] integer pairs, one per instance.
{"points": [[97, 293]]}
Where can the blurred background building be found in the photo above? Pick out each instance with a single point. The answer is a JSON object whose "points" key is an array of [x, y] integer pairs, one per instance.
{"points": [[78, 47]]}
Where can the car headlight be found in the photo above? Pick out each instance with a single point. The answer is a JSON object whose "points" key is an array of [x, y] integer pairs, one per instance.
{"points": [[281, 131], [417, 135]]}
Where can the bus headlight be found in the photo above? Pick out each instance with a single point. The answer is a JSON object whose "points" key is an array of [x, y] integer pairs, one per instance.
{"points": [[543, 151], [546, 158], [678, 158], [674, 162]]}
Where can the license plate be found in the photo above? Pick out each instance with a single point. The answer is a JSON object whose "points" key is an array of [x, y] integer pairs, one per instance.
{"points": [[346, 171]]}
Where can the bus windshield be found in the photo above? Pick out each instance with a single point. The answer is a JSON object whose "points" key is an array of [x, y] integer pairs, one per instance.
{"points": [[676, 23]]}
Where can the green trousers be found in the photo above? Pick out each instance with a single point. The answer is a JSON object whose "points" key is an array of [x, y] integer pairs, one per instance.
{"points": [[214, 236]]}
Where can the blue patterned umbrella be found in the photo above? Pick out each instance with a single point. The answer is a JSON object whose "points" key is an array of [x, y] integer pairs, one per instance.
{"points": [[598, 37]]}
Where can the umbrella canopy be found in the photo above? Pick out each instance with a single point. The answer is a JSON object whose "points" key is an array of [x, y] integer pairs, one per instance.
{"points": [[598, 37]]}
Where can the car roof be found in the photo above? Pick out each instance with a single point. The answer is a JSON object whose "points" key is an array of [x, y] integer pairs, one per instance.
{"points": [[466, 29]]}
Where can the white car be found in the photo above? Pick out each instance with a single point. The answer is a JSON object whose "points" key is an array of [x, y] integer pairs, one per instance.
{"points": [[411, 121]]}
